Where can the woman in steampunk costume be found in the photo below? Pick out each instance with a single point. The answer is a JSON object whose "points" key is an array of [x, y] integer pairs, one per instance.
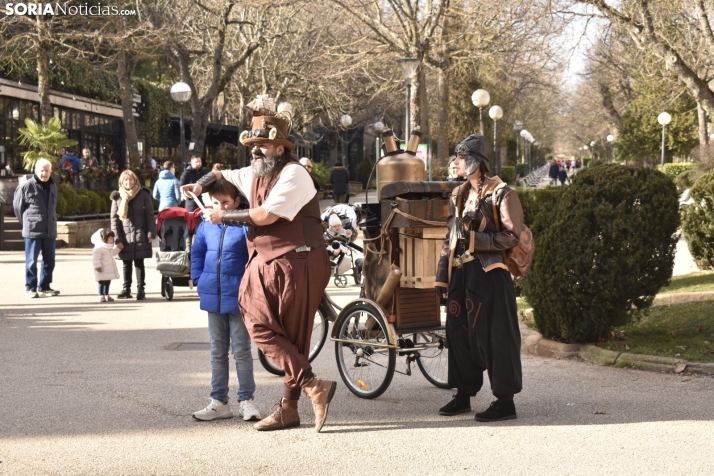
{"points": [[482, 322]]}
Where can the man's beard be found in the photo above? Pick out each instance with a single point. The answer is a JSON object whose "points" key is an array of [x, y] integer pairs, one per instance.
{"points": [[263, 168]]}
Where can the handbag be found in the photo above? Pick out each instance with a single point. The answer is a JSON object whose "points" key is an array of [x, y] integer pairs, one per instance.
{"points": [[519, 258]]}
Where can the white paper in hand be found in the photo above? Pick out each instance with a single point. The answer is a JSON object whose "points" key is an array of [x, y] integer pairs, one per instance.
{"points": [[197, 200]]}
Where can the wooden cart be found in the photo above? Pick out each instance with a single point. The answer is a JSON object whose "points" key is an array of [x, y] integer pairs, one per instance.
{"points": [[405, 229]]}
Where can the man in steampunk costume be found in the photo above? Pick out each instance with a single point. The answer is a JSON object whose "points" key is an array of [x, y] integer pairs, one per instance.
{"points": [[482, 321], [288, 269]]}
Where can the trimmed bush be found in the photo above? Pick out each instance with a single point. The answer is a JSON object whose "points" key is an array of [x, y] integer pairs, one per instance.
{"points": [[508, 174], [71, 202], [322, 174], [521, 169], [587, 161], [673, 170], [536, 203], [698, 221], [608, 247], [683, 181]]}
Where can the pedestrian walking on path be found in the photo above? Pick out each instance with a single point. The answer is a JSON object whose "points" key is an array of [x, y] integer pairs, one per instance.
{"points": [[133, 224], [105, 266], [191, 175], [167, 189], [218, 258], [35, 206], [482, 321], [288, 269], [340, 182]]}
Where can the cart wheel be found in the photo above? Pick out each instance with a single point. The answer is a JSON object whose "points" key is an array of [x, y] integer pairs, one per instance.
{"points": [[169, 289], [357, 275], [340, 280], [367, 369], [434, 360], [163, 286], [317, 340]]}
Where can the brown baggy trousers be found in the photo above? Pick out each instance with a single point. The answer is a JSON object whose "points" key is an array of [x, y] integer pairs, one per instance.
{"points": [[278, 301]]}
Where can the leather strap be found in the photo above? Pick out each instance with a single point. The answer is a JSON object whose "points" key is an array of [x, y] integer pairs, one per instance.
{"points": [[496, 220], [238, 217]]}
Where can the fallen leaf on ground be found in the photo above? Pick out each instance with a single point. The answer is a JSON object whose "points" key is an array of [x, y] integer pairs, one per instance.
{"points": [[683, 347], [600, 412], [672, 332], [700, 329], [627, 347], [679, 368]]}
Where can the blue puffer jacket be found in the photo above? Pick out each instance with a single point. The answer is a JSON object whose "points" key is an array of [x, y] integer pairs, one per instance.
{"points": [[218, 258], [166, 190]]}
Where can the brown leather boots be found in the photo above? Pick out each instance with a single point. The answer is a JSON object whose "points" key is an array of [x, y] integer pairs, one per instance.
{"points": [[320, 393], [286, 416]]}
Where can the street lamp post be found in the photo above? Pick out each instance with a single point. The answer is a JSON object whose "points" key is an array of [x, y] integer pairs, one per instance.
{"points": [[181, 92], [409, 67], [480, 98], [378, 128], [346, 121], [496, 113], [610, 138], [518, 126], [524, 134], [664, 119]]}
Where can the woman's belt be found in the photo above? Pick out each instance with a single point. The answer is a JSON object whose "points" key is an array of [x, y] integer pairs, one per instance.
{"points": [[460, 261]]}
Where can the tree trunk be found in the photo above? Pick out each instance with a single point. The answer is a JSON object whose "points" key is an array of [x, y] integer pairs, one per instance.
{"points": [[442, 122], [43, 70], [126, 65], [199, 114], [703, 133]]}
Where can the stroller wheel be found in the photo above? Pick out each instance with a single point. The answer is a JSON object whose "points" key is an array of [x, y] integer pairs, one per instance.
{"points": [[340, 280], [169, 289]]}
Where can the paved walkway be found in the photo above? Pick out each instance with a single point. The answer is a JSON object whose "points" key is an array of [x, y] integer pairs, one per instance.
{"points": [[90, 388]]}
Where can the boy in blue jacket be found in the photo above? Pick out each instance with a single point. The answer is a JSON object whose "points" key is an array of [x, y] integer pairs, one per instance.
{"points": [[218, 258]]}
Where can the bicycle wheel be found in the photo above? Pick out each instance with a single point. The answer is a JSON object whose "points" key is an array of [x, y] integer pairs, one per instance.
{"points": [[434, 360], [366, 365], [317, 340]]}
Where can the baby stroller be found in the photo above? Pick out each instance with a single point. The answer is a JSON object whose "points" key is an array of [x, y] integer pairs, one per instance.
{"points": [[175, 228], [340, 223]]}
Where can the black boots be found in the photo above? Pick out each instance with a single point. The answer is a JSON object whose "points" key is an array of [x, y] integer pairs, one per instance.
{"points": [[498, 411], [140, 294], [126, 288], [461, 403]]}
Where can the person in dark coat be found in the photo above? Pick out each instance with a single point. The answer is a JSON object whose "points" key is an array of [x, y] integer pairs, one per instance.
{"points": [[35, 206], [340, 181], [562, 175], [482, 315], [553, 172], [191, 175], [133, 224]]}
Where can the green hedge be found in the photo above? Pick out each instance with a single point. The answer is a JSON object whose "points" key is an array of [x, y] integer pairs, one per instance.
{"points": [[72, 202], [605, 246], [508, 174], [673, 170], [698, 220], [587, 161], [322, 174], [521, 169]]}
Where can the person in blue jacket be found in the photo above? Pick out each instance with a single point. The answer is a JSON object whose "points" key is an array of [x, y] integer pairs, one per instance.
{"points": [[166, 189], [69, 159], [218, 258]]}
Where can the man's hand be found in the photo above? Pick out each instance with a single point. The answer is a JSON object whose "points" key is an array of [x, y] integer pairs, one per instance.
{"points": [[191, 187], [212, 215]]}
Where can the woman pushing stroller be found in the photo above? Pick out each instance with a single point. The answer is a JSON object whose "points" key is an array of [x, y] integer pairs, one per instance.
{"points": [[482, 322]]}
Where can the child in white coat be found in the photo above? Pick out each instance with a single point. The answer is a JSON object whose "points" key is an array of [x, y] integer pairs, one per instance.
{"points": [[105, 267]]}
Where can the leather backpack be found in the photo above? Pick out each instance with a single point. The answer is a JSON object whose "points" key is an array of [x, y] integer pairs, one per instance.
{"points": [[519, 258]]}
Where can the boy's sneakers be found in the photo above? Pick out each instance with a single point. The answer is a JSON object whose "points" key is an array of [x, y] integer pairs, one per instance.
{"points": [[102, 299], [31, 293], [213, 411], [49, 292], [248, 411]]}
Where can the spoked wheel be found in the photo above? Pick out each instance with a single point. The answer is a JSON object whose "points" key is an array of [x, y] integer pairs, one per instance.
{"points": [[317, 340], [434, 360], [365, 361], [168, 289], [340, 280]]}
